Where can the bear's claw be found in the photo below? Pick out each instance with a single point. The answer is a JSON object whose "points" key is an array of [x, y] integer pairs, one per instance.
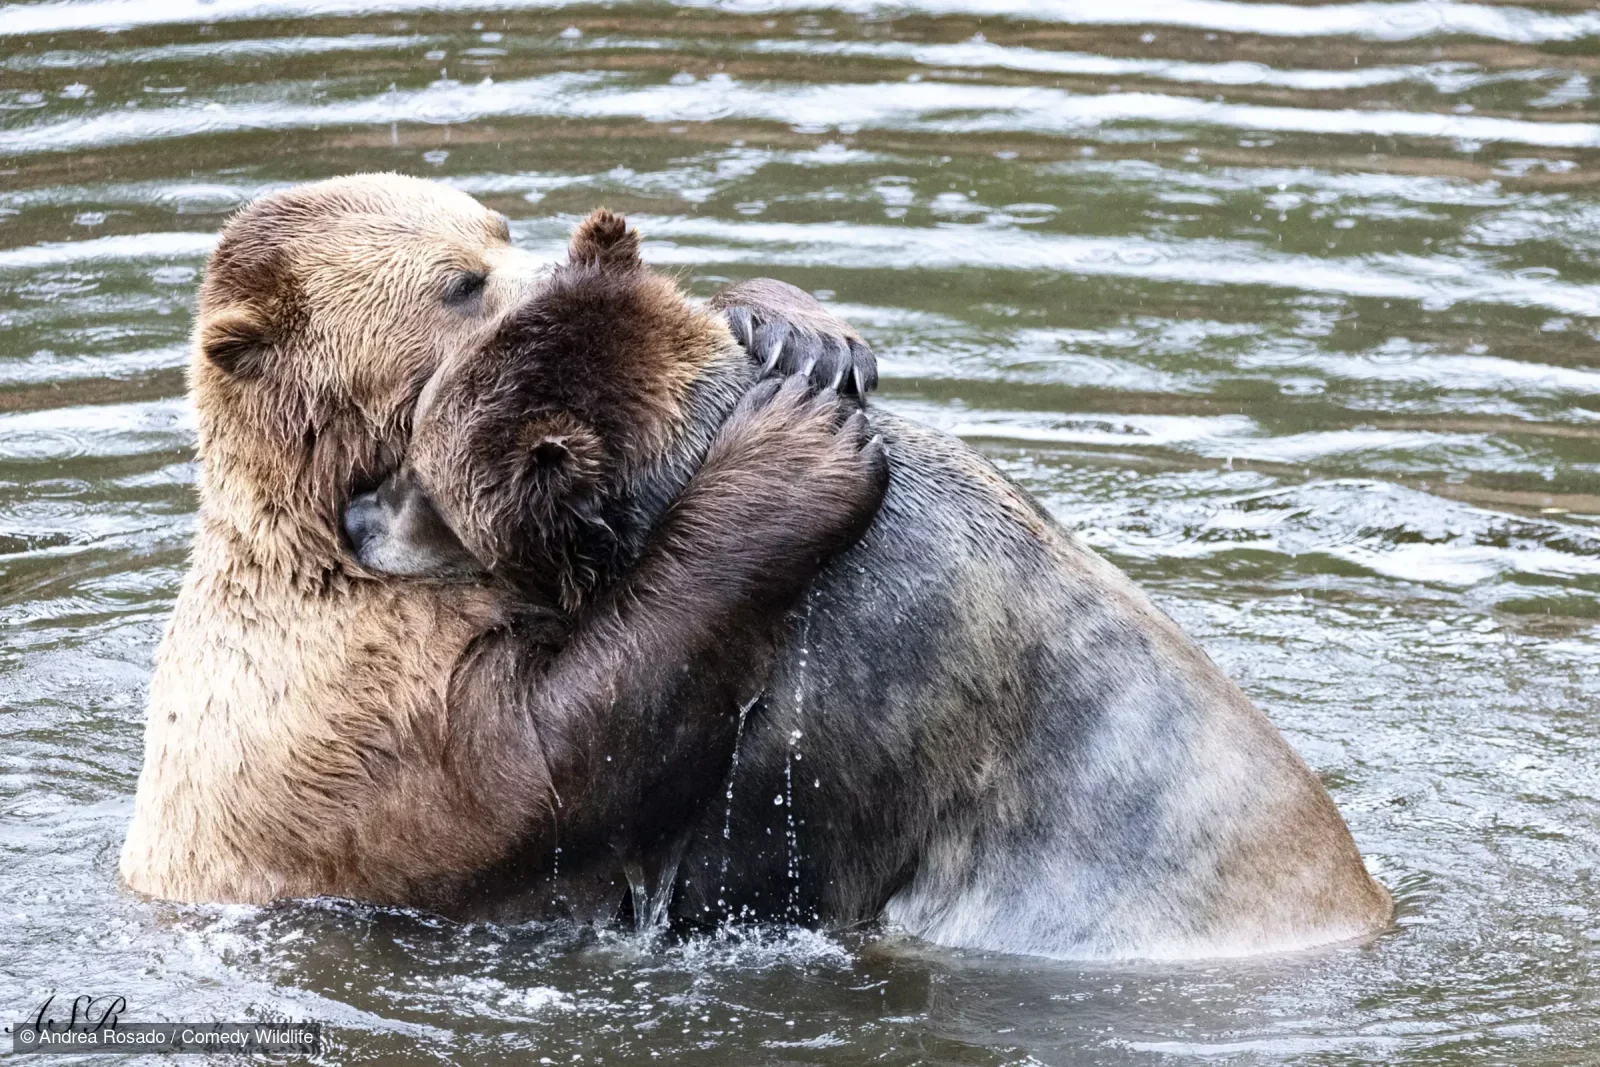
{"points": [[828, 361], [786, 331]]}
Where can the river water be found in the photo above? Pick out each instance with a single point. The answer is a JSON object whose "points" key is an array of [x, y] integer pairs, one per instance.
{"points": [[1293, 310]]}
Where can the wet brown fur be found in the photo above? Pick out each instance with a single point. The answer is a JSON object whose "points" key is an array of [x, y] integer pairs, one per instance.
{"points": [[317, 729], [290, 690], [535, 443], [1008, 746]]}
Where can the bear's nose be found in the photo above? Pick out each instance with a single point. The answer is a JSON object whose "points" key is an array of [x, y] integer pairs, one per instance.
{"points": [[362, 521]]}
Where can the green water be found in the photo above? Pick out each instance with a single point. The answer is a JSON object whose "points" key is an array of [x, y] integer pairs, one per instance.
{"points": [[1293, 310]]}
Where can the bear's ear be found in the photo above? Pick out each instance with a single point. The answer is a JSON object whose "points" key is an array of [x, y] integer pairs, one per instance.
{"points": [[560, 451], [604, 239], [237, 340]]}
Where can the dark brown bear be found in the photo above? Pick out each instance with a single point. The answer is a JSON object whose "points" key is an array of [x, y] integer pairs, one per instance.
{"points": [[976, 728], [585, 454]]}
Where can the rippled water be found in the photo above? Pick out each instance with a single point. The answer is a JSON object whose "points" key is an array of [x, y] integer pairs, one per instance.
{"points": [[1292, 309]]}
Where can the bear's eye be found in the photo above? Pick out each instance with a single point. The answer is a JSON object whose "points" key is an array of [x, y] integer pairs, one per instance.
{"points": [[465, 287]]}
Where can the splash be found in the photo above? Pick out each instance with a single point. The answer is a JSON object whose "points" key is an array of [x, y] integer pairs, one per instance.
{"points": [[640, 889], [652, 903]]}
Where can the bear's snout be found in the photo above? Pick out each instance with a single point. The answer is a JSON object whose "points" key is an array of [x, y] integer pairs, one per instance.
{"points": [[396, 529], [362, 520]]}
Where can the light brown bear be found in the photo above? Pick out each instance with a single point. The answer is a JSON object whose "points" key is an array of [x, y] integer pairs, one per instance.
{"points": [[975, 727], [316, 729]]}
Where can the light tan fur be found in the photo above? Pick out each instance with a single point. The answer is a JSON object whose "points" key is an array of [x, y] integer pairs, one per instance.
{"points": [[297, 738]]}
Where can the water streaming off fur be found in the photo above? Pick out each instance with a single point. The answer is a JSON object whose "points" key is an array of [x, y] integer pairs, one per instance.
{"points": [[1291, 309], [793, 859], [727, 805]]}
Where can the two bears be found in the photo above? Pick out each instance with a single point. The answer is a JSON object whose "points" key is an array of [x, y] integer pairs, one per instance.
{"points": [[619, 545]]}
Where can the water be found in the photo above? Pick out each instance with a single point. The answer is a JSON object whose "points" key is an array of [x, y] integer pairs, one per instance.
{"points": [[1291, 309], [727, 808], [792, 754]]}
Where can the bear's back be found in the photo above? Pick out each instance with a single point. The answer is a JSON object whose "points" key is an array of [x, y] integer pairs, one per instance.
{"points": [[983, 730]]}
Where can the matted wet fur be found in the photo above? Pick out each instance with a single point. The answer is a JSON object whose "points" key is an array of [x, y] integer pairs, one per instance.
{"points": [[316, 728], [974, 727]]}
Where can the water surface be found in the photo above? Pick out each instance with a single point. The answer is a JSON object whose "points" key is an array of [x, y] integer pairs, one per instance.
{"points": [[1293, 310]]}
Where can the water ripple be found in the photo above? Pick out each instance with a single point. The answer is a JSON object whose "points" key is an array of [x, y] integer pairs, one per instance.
{"points": [[932, 107], [1374, 21], [1437, 282], [1290, 309]]}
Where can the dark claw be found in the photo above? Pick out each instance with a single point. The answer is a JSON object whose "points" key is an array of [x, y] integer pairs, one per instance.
{"points": [[786, 331], [743, 326], [876, 452], [799, 351], [770, 341], [876, 455], [835, 362], [863, 368]]}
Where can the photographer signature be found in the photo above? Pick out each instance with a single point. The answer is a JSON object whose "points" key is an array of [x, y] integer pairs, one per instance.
{"points": [[85, 1013]]}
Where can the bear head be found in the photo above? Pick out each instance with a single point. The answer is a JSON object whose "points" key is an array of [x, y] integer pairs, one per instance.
{"points": [[324, 309], [545, 454]]}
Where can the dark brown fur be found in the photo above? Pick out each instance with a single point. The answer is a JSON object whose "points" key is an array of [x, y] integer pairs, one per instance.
{"points": [[974, 726]]}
